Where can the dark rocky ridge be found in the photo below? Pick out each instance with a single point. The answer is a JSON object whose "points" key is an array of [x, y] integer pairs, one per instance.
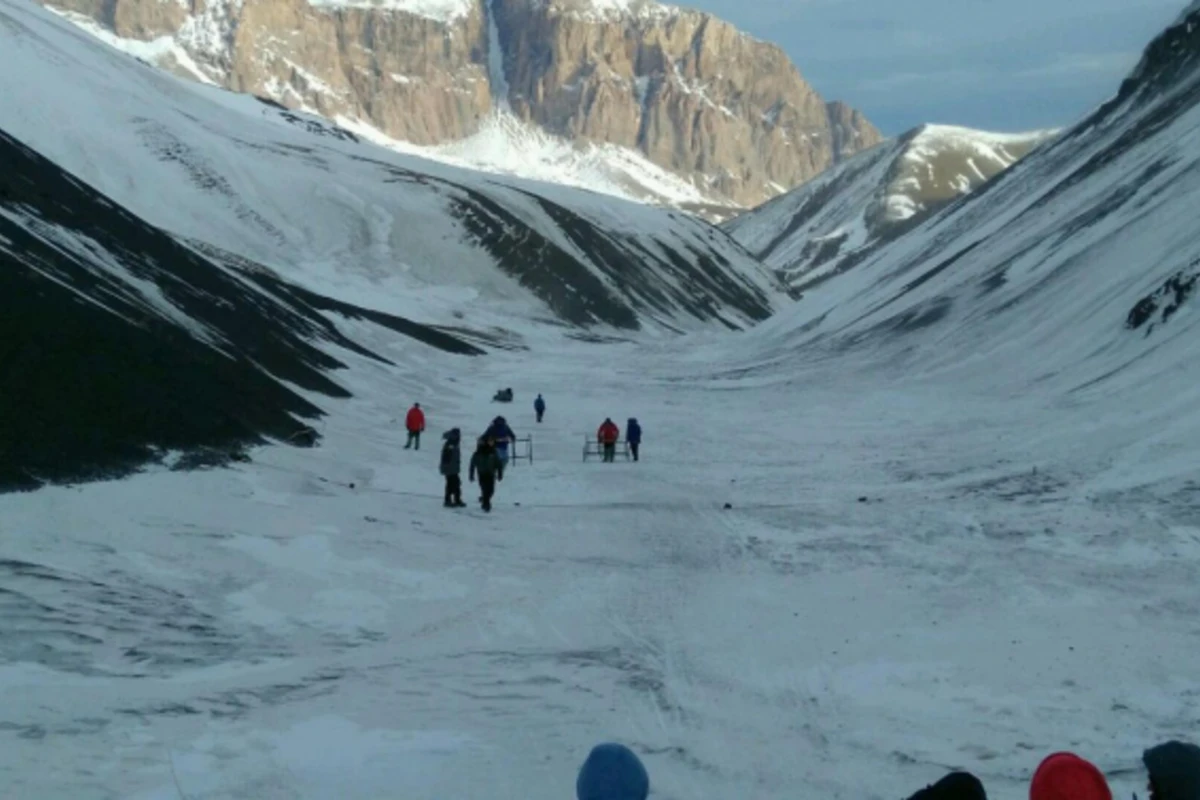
{"points": [[119, 342]]}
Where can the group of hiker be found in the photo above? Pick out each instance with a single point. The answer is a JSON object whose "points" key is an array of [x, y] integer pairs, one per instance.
{"points": [[491, 454], [609, 434], [614, 772]]}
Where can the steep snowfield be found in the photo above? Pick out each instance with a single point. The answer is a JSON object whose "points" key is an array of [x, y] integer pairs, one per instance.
{"points": [[313, 201], [838, 218], [963, 532], [504, 145]]}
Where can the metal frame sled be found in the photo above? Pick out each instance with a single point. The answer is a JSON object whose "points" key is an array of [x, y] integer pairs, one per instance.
{"points": [[593, 448], [515, 453]]}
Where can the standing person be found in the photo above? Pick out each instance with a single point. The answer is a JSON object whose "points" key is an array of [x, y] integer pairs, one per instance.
{"points": [[502, 435], [451, 467], [607, 435], [487, 463], [633, 435], [539, 406], [415, 422]]}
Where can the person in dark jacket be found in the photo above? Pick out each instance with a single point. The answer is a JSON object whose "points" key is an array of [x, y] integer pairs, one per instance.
{"points": [[955, 786], [1066, 776], [607, 435], [451, 468], [502, 435], [612, 772], [486, 462], [1174, 770], [539, 407], [633, 435]]}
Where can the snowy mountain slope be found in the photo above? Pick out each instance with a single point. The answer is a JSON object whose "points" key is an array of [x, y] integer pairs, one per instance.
{"points": [[1074, 269], [318, 204], [835, 220], [121, 343]]}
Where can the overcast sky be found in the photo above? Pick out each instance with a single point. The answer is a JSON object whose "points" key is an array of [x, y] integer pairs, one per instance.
{"points": [[1005, 65]]}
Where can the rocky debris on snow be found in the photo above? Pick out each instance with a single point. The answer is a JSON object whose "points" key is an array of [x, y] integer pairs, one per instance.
{"points": [[1165, 301]]}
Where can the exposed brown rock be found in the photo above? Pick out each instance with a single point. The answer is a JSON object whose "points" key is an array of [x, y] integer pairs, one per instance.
{"points": [[691, 92]]}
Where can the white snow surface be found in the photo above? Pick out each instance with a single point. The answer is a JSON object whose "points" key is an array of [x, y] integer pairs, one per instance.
{"points": [[1019, 576], [505, 145], [349, 219], [439, 10]]}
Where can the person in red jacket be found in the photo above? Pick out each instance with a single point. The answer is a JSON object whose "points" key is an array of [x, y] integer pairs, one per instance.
{"points": [[415, 422], [1066, 776], [607, 436]]}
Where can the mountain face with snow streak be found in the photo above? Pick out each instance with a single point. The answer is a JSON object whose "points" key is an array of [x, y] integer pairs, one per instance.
{"points": [[839, 218], [724, 114]]}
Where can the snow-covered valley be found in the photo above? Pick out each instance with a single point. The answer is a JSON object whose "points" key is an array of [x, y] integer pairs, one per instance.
{"points": [[944, 512], [1005, 590]]}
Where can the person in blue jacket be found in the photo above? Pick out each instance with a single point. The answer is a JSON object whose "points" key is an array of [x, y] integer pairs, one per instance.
{"points": [[539, 407], [633, 435], [612, 772], [503, 435]]}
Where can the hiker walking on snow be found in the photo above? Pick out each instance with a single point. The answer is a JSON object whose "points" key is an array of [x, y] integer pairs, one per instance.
{"points": [[633, 435], [607, 436], [502, 435], [486, 461], [415, 422], [451, 468], [539, 407]]}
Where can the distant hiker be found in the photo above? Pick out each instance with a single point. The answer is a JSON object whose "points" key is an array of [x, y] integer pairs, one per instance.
{"points": [[607, 436], [415, 422], [1174, 770], [1066, 776], [612, 772], [487, 463], [451, 467], [539, 407], [955, 786], [502, 435], [633, 435]]}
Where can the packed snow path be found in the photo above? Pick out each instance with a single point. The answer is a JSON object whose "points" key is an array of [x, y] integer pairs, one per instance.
{"points": [[270, 632]]}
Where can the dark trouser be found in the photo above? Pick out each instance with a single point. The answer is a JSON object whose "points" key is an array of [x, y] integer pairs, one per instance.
{"points": [[540, 413], [414, 440], [633, 448], [487, 488], [610, 451], [453, 490]]}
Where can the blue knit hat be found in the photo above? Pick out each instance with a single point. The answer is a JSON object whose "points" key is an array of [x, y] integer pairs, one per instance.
{"points": [[612, 772]]}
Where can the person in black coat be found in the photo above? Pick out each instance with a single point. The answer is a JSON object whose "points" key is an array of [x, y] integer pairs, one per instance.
{"points": [[451, 468], [1174, 770], [486, 462]]}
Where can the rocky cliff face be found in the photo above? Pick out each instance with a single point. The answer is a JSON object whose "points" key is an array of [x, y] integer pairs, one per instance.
{"points": [[693, 94]]}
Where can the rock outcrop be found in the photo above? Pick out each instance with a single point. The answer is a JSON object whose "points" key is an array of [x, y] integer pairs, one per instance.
{"points": [[694, 95]]}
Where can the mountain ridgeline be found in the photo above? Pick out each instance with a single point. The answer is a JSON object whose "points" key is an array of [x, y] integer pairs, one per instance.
{"points": [[728, 113]]}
